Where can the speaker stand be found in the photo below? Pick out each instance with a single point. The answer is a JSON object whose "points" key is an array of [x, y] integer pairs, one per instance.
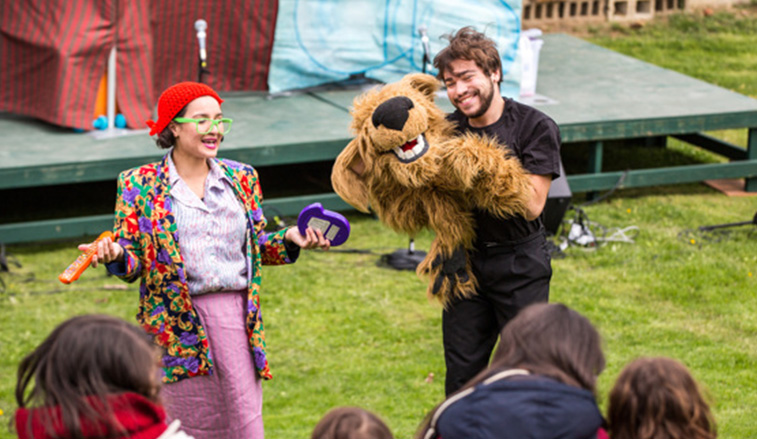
{"points": [[404, 259]]}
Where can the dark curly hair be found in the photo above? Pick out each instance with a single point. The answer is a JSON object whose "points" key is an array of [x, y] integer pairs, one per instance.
{"points": [[470, 45]]}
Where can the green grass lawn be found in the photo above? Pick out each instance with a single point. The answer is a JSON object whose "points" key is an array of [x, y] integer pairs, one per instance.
{"points": [[343, 330]]}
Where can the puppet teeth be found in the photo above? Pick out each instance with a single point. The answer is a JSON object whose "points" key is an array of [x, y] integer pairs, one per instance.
{"points": [[413, 154]]}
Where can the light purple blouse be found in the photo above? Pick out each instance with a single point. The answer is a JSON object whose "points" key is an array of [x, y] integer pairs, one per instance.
{"points": [[211, 233]]}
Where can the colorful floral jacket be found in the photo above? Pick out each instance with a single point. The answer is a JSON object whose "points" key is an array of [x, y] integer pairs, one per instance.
{"points": [[145, 227]]}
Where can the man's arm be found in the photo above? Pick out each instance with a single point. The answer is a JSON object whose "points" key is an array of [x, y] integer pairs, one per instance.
{"points": [[540, 186]]}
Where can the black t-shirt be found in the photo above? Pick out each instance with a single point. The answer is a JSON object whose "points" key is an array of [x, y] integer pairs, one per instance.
{"points": [[535, 139]]}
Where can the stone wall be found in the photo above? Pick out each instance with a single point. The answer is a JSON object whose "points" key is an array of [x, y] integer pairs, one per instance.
{"points": [[545, 12]]}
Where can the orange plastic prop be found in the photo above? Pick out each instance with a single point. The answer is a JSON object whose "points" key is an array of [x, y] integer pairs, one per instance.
{"points": [[82, 262], [101, 103]]}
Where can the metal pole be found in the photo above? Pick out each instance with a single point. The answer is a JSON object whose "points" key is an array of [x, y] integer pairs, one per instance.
{"points": [[111, 103]]}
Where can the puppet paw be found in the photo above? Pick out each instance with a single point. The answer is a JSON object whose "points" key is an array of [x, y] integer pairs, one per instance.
{"points": [[453, 270]]}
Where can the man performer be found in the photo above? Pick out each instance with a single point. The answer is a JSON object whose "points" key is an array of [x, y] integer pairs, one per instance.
{"points": [[511, 260]]}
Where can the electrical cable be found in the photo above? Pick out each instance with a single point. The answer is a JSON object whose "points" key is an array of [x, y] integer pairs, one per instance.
{"points": [[622, 235], [5, 262], [588, 235], [717, 233], [7, 259], [602, 197]]}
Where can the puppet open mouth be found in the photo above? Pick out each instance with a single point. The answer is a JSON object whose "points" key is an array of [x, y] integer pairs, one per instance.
{"points": [[412, 150]]}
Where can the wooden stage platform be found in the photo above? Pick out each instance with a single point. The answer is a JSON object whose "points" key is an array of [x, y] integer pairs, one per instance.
{"points": [[595, 95]]}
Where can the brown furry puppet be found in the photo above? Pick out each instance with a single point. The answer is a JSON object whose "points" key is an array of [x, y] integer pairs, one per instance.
{"points": [[407, 164]]}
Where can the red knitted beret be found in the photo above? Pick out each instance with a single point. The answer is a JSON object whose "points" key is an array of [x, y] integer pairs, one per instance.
{"points": [[174, 99]]}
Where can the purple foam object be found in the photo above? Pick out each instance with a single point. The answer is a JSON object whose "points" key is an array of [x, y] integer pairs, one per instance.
{"points": [[334, 226]]}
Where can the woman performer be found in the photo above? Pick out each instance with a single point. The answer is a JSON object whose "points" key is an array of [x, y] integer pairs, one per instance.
{"points": [[191, 228]]}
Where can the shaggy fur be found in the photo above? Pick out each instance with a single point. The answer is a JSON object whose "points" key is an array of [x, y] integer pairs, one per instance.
{"points": [[436, 189]]}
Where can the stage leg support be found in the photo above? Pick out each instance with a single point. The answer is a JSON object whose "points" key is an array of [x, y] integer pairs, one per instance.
{"points": [[750, 184], [595, 163]]}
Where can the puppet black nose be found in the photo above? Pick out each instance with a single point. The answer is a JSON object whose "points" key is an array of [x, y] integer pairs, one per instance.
{"points": [[393, 113]]}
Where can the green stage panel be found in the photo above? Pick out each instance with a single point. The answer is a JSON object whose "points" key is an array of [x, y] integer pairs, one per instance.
{"points": [[662, 176], [296, 129]]}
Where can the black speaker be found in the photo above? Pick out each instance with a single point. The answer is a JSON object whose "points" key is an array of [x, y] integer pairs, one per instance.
{"points": [[558, 200]]}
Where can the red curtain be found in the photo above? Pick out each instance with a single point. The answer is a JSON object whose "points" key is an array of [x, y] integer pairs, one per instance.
{"points": [[239, 42], [135, 86], [53, 53]]}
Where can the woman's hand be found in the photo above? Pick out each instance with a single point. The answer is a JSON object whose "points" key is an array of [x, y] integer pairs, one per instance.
{"points": [[313, 238], [107, 251]]}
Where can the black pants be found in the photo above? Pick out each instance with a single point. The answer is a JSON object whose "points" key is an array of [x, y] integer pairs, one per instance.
{"points": [[510, 276]]}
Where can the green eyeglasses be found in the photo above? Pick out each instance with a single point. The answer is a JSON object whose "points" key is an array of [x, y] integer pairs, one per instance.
{"points": [[204, 126]]}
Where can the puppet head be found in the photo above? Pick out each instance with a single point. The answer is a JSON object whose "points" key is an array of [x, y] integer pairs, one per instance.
{"points": [[396, 126]]}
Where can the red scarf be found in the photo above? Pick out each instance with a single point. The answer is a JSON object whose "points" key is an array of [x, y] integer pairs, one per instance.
{"points": [[140, 417]]}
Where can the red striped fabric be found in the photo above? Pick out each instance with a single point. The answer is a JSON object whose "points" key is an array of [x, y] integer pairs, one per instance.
{"points": [[134, 62], [55, 52], [239, 42]]}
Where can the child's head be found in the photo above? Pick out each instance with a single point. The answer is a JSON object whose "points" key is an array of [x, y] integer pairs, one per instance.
{"points": [[88, 356], [658, 398], [552, 340], [351, 423]]}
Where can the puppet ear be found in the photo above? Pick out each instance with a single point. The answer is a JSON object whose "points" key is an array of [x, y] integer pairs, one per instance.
{"points": [[346, 177], [426, 84]]}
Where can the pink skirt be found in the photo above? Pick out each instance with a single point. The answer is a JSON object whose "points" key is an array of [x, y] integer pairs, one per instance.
{"points": [[229, 403]]}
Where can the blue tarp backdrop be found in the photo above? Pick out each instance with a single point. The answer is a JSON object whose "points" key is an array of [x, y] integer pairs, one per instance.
{"points": [[324, 41]]}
